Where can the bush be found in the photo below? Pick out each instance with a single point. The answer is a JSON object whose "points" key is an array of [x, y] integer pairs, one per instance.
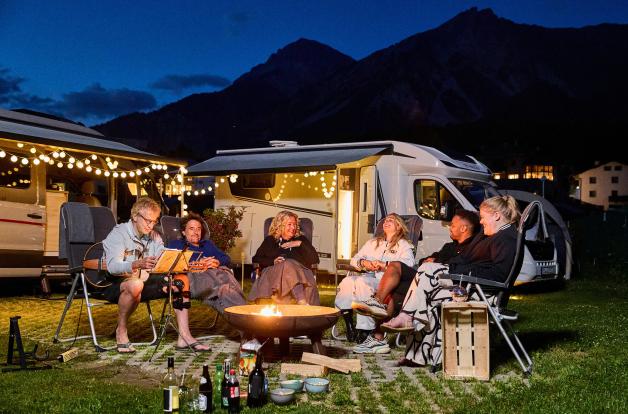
{"points": [[223, 226]]}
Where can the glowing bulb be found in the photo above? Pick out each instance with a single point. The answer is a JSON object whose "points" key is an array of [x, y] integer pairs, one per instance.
{"points": [[123, 174], [55, 154], [195, 193], [33, 150], [41, 157], [62, 154], [94, 157], [146, 169], [107, 173], [166, 176], [107, 159], [210, 189], [20, 145], [88, 168], [98, 172], [131, 174], [188, 193], [60, 164], [70, 166], [2, 154], [47, 159], [203, 191], [115, 174], [306, 175], [36, 161], [13, 158], [79, 164], [87, 161], [51, 162], [322, 178], [72, 160], [222, 180], [216, 185], [24, 161]]}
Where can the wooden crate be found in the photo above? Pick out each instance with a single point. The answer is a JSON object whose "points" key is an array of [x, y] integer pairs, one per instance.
{"points": [[465, 340]]}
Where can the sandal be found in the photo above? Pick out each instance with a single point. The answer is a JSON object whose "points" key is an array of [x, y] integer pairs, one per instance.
{"points": [[400, 323], [193, 346], [125, 348]]}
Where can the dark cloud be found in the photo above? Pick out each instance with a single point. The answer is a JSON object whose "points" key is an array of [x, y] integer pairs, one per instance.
{"points": [[177, 83], [98, 102], [9, 85]]}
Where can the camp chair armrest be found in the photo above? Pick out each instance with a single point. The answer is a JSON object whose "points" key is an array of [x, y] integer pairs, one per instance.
{"points": [[472, 279], [347, 267]]}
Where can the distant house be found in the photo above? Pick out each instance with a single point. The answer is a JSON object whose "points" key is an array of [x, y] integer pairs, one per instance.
{"points": [[605, 185]]}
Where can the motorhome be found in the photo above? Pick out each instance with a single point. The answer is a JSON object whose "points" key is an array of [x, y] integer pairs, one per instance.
{"points": [[346, 188], [45, 162]]}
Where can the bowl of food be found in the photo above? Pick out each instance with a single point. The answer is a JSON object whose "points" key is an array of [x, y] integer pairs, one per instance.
{"points": [[316, 385], [282, 396], [293, 384]]}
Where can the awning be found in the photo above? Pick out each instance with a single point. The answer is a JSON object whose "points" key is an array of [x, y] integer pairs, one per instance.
{"points": [[283, 159], [36, 130]]}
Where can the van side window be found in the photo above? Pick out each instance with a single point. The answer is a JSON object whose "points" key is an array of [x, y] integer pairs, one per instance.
{"points": [[433, 201], [14, 174]]}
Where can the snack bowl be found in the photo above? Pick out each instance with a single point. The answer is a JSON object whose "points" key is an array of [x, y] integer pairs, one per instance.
{"points": [[294, 384], [316, 385], [281, 396]]}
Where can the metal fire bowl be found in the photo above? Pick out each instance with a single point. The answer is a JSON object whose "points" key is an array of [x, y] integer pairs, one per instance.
{"points": [[296, 320]]}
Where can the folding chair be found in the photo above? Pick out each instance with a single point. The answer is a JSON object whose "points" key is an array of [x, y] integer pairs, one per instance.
{"points": [[171, 230], [81, 231], [415, 225], [497, 308]]}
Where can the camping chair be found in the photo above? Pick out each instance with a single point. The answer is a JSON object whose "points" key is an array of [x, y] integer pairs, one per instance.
{"points": [[501, 316], [415, 225], [81, 231], [171, 230]]}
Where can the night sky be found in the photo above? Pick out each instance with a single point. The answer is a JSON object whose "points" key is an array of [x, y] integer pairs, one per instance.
{"points": [[93, 60]]}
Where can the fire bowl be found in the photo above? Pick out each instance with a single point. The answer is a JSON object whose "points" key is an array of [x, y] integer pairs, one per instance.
{"points": [[296, 320]]}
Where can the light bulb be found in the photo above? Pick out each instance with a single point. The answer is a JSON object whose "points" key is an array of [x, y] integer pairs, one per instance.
{"points": [[33, 150], [88, 168], [62, 154]]}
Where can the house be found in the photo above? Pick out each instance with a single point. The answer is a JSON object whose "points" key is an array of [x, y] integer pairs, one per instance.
{"points": [[605, 185]]}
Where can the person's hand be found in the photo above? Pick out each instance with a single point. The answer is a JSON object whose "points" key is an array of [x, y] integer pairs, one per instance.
{"points": [[379, 265], [290, 244], [279, 259], [199, 265], [145, 263], [368, 265], [212, 262]]}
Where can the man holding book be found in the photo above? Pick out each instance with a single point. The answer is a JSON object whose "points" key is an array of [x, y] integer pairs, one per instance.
{"points": [[131, 252]]}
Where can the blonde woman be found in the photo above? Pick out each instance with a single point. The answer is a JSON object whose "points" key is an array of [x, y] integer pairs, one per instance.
{"points": [[490, 255], [372, 259], [285, 257]]}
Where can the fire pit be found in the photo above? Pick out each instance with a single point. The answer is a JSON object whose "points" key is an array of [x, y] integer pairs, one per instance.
{"points": [[283, 321]]}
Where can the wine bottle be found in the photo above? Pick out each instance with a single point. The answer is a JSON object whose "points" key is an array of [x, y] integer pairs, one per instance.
{"points": [[224, 390], [170, 387], [233, 386], [205, 403], [256, 397]]}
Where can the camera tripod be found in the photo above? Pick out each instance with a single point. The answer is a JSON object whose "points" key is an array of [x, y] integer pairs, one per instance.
{"points": [[167, 313]]}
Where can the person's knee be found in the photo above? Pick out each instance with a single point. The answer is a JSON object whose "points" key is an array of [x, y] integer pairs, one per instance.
{"points": [[132, 287], [394, 268]]}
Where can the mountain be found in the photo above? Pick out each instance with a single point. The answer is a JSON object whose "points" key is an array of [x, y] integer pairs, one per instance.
{"points": [[479, 83]]}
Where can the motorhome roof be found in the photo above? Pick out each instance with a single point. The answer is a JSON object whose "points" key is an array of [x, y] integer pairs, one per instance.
{"points": [[302, 157], [45, 131]]}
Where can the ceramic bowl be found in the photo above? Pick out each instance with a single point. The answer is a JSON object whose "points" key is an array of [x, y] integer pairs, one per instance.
{"points": [[316, 385], [294, 384], [281, 396]]}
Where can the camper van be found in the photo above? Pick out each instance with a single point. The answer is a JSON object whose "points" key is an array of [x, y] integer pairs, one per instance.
{"points": [[345, 189], [45, 162]]}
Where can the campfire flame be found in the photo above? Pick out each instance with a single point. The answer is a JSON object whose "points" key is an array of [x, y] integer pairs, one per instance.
{"points": [[270, 310]]}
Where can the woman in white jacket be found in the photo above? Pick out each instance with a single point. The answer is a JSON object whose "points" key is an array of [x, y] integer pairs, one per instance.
{"points": [[371, 260]]}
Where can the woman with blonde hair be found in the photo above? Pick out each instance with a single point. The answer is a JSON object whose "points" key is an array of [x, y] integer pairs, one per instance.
{"points": [[285, 257], [490, 255], [391, 245]]}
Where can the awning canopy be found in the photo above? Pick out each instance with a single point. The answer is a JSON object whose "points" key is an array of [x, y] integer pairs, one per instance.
{"points": [[283, 159], [38, 130]]}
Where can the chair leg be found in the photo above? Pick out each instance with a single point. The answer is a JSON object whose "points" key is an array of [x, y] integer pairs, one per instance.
{"points": [[526, 367], [213, 324], [90, 318], [68, 303]]}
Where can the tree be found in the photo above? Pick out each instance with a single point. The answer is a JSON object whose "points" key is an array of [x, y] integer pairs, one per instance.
{"points": [[223, 226]]}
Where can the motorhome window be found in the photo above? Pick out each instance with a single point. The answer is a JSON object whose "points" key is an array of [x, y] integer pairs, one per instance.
{"points": [[365, 198], [14, 174], [592, 180], [432, 200], [475, 192], [614, 180], [258, 180]]}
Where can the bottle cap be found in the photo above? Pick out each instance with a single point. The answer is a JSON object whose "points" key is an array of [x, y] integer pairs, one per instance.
{"points": [[232, 371]]}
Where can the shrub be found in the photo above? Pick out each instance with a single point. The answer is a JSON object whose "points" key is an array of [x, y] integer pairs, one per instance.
{"points": [[223, 226]]}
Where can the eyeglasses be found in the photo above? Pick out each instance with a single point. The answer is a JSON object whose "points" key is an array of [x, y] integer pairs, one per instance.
{"points": [[148, 222]]}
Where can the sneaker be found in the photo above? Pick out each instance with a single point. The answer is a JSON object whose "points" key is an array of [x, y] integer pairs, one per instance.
{"points": [[370, 307], [400, 323], [372, 345]]}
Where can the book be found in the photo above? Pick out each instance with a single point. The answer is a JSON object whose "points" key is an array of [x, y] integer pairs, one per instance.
{"points": [[168, 256]]}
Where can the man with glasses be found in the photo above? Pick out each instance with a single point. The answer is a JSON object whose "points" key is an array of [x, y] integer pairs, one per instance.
{"points": [[131, 251]]}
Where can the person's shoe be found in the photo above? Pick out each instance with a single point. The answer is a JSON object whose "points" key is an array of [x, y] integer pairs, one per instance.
{"points": [[370, 307], [360, 335], [400, 323], [372, 346]]}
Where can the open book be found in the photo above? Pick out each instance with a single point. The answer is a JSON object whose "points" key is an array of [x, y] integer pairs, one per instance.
{"points": [[168, 256]]}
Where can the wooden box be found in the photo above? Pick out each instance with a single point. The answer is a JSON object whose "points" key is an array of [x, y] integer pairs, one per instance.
{"points": [[465, 340]]}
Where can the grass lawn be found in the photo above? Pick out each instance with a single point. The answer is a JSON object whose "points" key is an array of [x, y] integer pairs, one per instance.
{"points": [[576, 335]]}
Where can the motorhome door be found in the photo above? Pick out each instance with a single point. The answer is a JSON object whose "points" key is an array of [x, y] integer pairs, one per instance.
{"points": [[367, 204]]}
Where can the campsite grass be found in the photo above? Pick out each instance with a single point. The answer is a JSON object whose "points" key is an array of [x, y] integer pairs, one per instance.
{"points": [[576, 335]]}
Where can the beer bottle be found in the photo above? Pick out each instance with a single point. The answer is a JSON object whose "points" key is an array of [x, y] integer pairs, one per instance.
{"points": [[224, 390], [205, 403], [256, 397], [170, 387], [234, 393]]}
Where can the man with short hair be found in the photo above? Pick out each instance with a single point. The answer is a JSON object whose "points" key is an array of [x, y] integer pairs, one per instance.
{"points": [[131, 251]]}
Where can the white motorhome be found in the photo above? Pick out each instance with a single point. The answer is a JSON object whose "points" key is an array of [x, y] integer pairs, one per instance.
{"points": [[45, 162], [346, 188]]}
